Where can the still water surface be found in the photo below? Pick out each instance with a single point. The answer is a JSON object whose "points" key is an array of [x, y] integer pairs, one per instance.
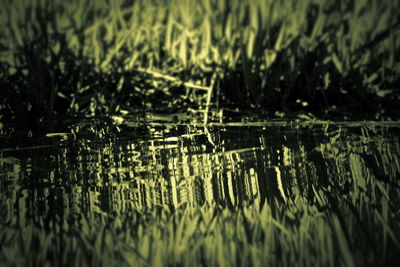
{"points": [[103, 167]]}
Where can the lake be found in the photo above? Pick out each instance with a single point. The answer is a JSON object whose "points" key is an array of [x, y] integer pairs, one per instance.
{"points": [[158, 191]]}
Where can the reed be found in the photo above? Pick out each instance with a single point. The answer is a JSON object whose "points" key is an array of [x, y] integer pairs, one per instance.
{"points": [[297, 233], [266, 53]]}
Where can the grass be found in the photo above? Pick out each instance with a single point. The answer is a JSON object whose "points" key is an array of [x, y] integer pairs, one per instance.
{"points": [[99, 57], [294, 234], [267, 54]]}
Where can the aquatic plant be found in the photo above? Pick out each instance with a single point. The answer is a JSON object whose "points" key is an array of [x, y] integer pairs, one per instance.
{"points": [[267, 54]]}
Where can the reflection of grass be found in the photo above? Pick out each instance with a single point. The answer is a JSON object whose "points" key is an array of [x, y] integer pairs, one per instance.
{"points": [[266, 52], [358, 233], [348, 217], [340, 208]]}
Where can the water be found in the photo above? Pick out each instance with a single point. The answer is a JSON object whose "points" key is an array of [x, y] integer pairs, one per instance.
{"points": [[102, 168]]}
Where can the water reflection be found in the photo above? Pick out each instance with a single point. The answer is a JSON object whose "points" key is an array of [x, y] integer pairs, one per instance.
{"points": [[173, 166]]}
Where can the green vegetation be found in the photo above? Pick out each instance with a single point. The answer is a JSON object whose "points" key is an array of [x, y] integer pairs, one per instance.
{"points": [[93, 201], [300, 235], [294, 234], [87, 56]]}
